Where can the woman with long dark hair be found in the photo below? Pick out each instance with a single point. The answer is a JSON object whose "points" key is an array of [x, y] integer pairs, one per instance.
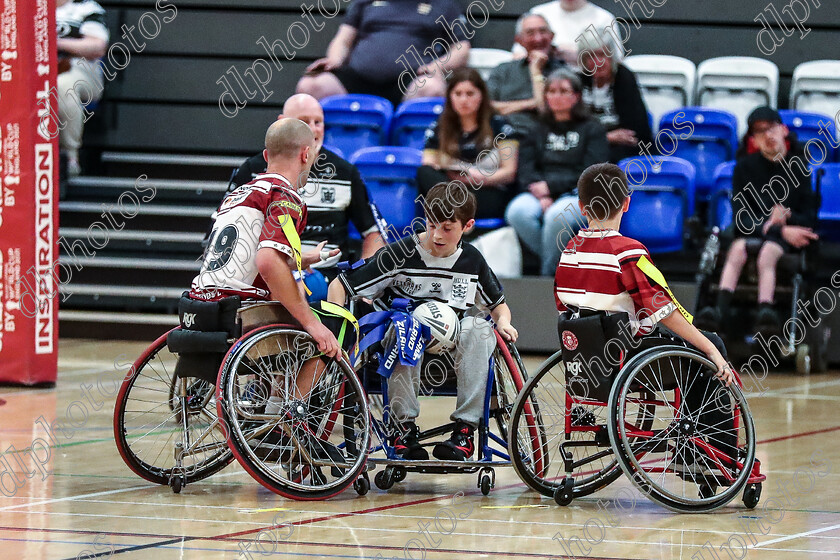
{"points": [[567, 141], [471, 144]]}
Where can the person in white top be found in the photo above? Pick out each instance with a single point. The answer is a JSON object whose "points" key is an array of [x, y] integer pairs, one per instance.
{"points": [[568, 20]]}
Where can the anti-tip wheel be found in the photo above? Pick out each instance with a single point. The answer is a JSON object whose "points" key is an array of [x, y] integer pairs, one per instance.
{"points": [[485, 483], [362, 485], [564, 494], [752, 495], [384, 479]]}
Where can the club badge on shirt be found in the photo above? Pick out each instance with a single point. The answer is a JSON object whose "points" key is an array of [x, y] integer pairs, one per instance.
{"points": [[424, 9]]}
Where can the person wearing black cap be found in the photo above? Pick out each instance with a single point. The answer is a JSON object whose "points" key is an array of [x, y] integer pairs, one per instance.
{"points": [[773, 207]]}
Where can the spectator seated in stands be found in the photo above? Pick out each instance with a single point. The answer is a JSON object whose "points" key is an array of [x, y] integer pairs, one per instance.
{"points": [[774, 171], [567, 141], [517, 87], [569, 19], [372, 49], [611, 94], [81, 35], [335, 193], [472, 145]]}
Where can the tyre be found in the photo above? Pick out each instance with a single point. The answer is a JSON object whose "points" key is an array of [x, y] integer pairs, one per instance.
{"points": [[683, 456], [149, 423], [510, 378], [544, 416], [314, 444]]}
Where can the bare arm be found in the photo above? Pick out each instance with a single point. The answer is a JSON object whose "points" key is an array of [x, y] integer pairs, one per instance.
{"points": [[341, 44], [431, 158], [371, 244], [688, 332], [336, 292], [277, 274], [87, 47], [508, 107], [501, 316], [506, 173]]}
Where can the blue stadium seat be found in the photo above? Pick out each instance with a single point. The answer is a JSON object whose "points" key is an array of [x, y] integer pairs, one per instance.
{"points": [[655, 218], [356, 121], [412, 118], [390, 175], [712, 142], [828, 176], [807, 127], [672, 172], [336, 150], [720, 205]]}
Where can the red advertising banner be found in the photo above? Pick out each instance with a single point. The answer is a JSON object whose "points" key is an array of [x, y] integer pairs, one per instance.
{"points": [[28, 194]]}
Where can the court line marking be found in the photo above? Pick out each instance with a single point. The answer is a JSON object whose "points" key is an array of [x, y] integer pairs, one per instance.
{"points": [[796, 536], [90, 495]]}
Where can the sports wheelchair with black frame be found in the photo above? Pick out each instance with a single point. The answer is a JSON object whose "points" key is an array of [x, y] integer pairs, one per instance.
{"points": [[600, 406], [505, 379], [199, 396]]}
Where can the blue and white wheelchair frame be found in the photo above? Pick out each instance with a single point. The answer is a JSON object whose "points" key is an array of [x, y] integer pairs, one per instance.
{"points": [[506, 377]]}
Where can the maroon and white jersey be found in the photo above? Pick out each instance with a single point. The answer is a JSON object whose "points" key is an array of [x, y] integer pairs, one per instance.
{"points": [[598, 271], [249, 218]]}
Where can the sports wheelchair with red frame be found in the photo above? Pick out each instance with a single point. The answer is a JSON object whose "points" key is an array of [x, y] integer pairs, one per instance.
{"points": [[198, 397], [655, 412]]}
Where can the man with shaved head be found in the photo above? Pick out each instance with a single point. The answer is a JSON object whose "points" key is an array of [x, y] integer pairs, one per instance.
{"points": [[254, 246], [335, 193]]}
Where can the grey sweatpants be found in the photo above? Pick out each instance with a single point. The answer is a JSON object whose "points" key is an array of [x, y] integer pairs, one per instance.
{"points": [[471, 359]]}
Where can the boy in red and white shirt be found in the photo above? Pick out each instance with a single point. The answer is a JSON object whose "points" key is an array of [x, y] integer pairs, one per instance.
{"points": [[599, 268]]}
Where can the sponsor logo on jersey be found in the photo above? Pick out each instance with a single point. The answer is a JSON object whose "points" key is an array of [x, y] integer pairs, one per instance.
{"points": [[436, 288], [407, 286], [327, 194]]}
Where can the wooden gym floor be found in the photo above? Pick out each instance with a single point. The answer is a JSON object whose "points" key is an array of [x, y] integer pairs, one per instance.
{"points": [[89, 505]]}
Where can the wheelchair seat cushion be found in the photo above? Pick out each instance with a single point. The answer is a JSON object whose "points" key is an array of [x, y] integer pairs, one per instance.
{"points": [[593, 349], [185, 341]]}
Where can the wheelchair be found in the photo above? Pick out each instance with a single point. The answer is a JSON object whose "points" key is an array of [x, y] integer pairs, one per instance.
{"points": [[595, 410], [794, 279], [199, 397], [505, 379]]}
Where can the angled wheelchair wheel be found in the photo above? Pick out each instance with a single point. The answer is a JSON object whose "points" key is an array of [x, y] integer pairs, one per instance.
{"points": [[510, 378], [298, 423], [546, 422], [167, 429], [680, 435]]}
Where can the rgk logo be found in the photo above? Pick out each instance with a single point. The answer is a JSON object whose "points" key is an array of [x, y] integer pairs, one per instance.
{"points": [[189, 319]]}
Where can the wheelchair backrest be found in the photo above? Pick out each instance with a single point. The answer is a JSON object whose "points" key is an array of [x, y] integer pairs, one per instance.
{"points": [[593, 351]]}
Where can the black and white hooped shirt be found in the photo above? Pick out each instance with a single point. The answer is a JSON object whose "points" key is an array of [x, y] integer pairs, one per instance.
{"points": [[80, 18], [404, 269]]}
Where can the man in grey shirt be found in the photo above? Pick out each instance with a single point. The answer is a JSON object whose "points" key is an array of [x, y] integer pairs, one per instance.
{"points": [[517, 86]]}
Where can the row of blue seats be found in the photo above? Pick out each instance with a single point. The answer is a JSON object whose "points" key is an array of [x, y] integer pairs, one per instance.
{"points": [[357, 121], [664, 189]]}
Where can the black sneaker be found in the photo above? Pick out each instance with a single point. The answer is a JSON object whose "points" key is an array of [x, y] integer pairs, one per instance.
{"points": [[407, 443], [767, 320], [459, 446]]}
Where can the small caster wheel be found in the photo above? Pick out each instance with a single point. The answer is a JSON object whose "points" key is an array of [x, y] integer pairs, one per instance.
{"points": [[708, 490], [485, 484], [384, 480], [362, 484], [399, 474], [752, 494], [564, 494], [176, 484], [803, 359]]}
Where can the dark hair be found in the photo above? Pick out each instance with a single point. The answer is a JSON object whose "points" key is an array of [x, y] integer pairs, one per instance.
{"points": [[602, 189], [449, 202], [449, 124], [579, 111]]}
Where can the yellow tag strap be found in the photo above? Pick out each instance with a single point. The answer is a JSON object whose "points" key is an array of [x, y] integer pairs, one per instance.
{"points": [[330, 307], [653, 273], [294, 240]]}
